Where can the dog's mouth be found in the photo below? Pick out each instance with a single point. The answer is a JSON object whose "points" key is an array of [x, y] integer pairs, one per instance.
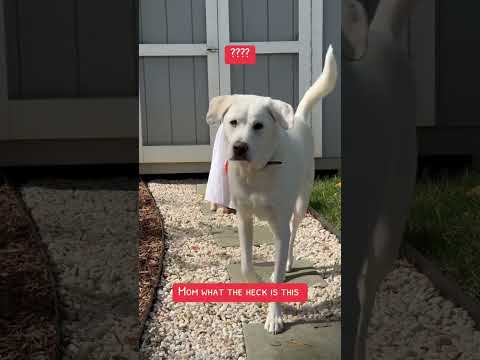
{"points": [[239, 158], [272, 162]]}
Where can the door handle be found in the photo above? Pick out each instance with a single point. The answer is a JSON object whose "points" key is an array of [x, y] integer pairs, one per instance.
{"points": [[212, 49]]}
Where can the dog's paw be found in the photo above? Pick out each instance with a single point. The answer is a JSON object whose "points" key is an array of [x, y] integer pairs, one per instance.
{"points": [[274, 322]]}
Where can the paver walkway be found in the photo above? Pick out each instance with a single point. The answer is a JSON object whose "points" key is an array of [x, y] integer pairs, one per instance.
{"points": [[204, 247], [302, 272], [299, 341], [228, 236], [411, 319]]}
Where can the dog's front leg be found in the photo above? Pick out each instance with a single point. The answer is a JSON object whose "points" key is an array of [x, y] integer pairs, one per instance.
{"points": [[245, 232], [281, 232]]}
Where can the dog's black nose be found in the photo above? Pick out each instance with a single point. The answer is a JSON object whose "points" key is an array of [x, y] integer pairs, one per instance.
{"points": [[240, 149]]}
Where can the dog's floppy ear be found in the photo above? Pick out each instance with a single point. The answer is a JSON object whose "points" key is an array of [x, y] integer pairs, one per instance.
{"points": [[282, 113], [218, 107]]}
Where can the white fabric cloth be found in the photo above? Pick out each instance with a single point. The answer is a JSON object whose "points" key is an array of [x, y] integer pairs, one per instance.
{"points": [[217, 185]]}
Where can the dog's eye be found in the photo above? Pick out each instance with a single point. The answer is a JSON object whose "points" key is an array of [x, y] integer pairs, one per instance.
{"points": [[258, 126], [233, 123]]}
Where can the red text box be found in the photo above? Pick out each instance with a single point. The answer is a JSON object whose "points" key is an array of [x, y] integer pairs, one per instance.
{"points": [[234, 292], [240, 54]]}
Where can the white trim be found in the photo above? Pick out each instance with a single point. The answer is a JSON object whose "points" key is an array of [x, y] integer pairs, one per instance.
{"points": [[140, 137], [72, 118], [204, 167], [317, 65], [305, 55], [213, 76], [4, 118], [223, 40], [141, 103], [172, 49], [274, 47], [177, 153]]}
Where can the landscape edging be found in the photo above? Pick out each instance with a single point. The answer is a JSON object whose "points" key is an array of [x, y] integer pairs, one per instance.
{"points": [[154, 289], [447, 286], [325, 223]]}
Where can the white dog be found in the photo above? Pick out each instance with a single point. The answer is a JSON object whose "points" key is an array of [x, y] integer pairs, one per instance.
{"points": [[271, 169]]}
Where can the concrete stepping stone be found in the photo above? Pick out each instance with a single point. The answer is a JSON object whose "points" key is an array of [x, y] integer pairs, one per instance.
{"points": [[228, 236], [303, 272], [302, 341]]}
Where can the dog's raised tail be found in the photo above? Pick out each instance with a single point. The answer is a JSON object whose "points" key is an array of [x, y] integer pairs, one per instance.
{"points": [[320, 88]]}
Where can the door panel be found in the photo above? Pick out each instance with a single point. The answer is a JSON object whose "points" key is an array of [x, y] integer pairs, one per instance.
{"points": [[178, 77], [264, 20], [274, 75], [46, 48], [158, 130], [182, 100], [153, 22], [422, 50], [64, 82], [98, 64], [3, 77], [173, 22], [57, 49], [282, 34], [458, 72]]}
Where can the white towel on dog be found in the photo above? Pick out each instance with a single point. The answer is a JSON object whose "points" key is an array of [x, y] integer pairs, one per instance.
{"points": [[217, 186]]}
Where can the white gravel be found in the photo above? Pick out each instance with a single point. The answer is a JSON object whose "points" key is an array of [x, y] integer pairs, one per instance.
{"points": [[91, 235], [214, 330], [412, 321]]}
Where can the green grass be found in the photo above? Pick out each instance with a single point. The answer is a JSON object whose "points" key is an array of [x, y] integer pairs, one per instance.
{"points": [[326, 199], [444, 224]]}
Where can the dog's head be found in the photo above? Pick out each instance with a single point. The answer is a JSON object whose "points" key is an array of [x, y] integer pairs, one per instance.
{"points": [[252, 125]]}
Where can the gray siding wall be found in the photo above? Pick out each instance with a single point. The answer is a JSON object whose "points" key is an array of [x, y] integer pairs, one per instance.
{"points": [[71, 48], [175, 100], [173, 90], [274, 75], [263, 20], [332, 104], [173, 21]]}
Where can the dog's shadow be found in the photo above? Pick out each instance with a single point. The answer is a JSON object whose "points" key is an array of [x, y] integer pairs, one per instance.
{"points": [[300, 271], [315, 323]]}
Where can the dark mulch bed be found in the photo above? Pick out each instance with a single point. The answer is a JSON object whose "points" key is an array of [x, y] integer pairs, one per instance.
{"points": [[150, 251], [29, 322]]}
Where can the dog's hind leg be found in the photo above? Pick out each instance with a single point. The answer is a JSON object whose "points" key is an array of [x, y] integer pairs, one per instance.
{"points": [[386, 239], [297, 217]]}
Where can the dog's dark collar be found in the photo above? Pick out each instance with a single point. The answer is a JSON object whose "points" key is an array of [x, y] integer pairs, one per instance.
{"points": [[273, 163]]}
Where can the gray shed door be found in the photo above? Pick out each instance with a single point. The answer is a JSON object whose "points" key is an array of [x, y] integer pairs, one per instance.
{"points": [[178, 74], [182, 66], [63, 82]]}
